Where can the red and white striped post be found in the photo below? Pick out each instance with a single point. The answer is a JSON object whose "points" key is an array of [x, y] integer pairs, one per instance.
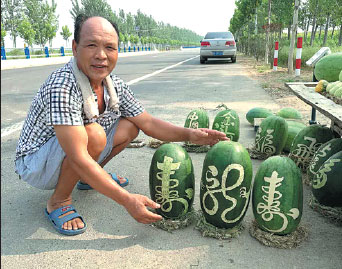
{"points": [[275, 60], [299, 55]]}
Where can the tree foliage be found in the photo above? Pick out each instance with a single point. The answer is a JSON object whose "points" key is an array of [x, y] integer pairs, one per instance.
{"points": [[3, 34], [65, 33], [136, 27], [11, 12], [43, 20], [26, 31]]}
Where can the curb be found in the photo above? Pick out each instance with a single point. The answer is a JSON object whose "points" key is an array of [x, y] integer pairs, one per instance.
{"points": [[22, 63]]}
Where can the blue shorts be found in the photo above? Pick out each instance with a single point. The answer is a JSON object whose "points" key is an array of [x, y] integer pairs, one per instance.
{"points": [[41, 169]]}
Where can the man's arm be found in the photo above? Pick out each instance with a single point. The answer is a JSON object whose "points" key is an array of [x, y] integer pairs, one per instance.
{"points": [[166, 131], [74, 141]]}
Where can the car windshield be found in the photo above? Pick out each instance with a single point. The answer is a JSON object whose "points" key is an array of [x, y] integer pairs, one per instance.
{"points": [[214, 35]]}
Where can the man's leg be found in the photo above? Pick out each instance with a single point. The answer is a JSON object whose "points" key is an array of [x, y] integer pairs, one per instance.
{"points": [[68, 177], [125, 133]]}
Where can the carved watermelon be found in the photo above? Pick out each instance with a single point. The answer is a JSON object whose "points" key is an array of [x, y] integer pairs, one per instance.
{"points": [[197, 118], [327, 183], [172, 181], [226, 184], [228, 122], [257, 112], [271, 135], [323, 153], [307, 142], [277, 198], [293, 129], [289, 113]]}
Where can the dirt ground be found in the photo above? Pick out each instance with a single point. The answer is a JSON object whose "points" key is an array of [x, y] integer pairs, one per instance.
{"points": [[274, 84]]}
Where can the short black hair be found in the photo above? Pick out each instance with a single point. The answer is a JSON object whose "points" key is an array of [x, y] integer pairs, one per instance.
{"points": [[80, 20]]}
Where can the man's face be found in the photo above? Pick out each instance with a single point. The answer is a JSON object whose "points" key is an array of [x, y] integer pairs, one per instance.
{"points": [[97, 50]]}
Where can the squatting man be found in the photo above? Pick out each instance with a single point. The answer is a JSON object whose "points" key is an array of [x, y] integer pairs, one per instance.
{"points": [[82, 117]]}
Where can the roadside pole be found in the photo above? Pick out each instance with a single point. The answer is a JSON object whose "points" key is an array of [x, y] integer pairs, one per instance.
{"points": [[275, 61]]}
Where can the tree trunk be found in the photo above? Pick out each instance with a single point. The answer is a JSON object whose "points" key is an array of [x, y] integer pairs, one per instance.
{"points": [[326, 30], [293, 36], [256, 21], [333, 30], [307, 30], [268, 31], [313, 31], [320, 32], [340, 37]]}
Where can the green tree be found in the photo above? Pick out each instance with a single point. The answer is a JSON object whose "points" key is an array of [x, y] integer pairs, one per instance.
{"points": [[3, 34], [26, 31], [11, 12], [65, 34], [43, 20]]}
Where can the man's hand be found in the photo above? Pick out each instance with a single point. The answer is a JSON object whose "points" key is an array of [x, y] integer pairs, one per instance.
{"points": [[203, 136], [136, 207]]}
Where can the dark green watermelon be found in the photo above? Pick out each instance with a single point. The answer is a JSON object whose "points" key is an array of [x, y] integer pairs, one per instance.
{"points": [[197, 118], [293, 129], [257, 112], [327, 182], [172, 181], [289, 113], [228, 122], [307, 142], [278, 195], [323, 153], [226, 184], [271, 135]]}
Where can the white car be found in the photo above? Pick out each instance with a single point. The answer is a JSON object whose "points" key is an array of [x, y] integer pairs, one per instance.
{"points": [[218, 45]]}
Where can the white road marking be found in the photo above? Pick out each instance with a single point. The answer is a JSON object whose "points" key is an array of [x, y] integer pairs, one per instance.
{"points": [[18, 126], [158, 71], [12, 129]]}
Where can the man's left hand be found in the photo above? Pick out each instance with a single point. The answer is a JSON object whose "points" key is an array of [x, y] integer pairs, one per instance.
{"points": [[203, 136]]}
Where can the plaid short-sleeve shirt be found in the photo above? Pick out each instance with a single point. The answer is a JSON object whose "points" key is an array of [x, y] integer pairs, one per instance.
{"points": [[59, 101]]}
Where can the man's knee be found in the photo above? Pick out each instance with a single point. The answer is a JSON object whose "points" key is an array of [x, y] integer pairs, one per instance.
{"points": [[126, 132], [97, 138]]}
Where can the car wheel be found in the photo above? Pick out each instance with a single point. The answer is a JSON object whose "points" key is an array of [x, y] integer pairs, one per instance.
{"points": [[202, 60], [233, 59]]}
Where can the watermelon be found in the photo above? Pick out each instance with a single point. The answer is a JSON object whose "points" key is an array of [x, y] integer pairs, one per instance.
{"points": [[197, 118], [271, 135], [329, 67], [289, 113], [323, 153], [327, 183], [226, 184], [307, 142], [277, 198], [293, 129], [340, 76], [228, 122], [257, 112], [172, 181]]}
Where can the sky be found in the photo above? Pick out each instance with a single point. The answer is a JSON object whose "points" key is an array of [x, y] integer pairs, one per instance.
{"points": [[198, 16]]}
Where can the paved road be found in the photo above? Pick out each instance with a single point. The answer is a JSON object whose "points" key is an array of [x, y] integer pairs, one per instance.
{"points": [[113, 239]]}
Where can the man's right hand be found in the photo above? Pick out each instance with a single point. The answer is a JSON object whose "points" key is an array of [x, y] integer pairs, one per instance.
{"points": [[136, 207]]}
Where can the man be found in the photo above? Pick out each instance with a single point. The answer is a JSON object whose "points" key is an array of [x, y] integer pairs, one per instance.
{"points": [[80, 119]]}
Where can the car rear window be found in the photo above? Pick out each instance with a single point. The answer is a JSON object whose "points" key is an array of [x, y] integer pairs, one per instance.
{"points": [[213, 35]]}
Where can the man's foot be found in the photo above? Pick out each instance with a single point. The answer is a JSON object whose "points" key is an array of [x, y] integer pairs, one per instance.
{"points": [[122, 181], [73, 224]]}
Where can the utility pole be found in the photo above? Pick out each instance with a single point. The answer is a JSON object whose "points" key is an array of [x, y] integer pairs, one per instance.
{"points": [[293, 37]]}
